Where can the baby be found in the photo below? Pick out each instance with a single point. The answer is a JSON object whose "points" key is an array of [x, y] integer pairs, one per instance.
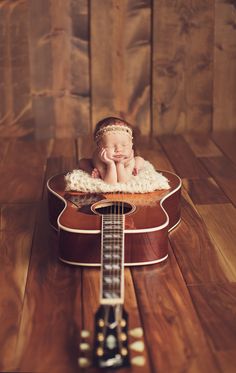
{"points": [[114, 160]]}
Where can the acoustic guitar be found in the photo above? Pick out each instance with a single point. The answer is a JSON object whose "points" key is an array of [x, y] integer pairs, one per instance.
{"points": [[112, 231]]}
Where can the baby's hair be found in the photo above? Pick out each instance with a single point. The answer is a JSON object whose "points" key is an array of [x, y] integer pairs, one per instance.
{"points": [[110, 121], [116, 121]]}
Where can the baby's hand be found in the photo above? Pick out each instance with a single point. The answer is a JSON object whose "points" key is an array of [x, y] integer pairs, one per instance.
{"points": [[104, 157], [135, 171]]}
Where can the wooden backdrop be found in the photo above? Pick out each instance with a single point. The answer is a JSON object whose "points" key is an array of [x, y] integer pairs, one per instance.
{"points": [[166, 66]]}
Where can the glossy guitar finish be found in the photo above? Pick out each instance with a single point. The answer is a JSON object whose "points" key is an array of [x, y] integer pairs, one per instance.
{"points": [[146, 228]]}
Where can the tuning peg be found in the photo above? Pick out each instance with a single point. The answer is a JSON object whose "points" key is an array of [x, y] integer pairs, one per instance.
{"points": [[122, 323], [123, 337], [101, 323], [84, 346], [84, 333], [124, 351], [100, 351], [100, 337], [137, 346], [139, 361], [136, 332], [83, 362]]}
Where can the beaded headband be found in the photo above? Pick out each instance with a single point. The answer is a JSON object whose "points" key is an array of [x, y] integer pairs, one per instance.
{"points": [[113, 128]]}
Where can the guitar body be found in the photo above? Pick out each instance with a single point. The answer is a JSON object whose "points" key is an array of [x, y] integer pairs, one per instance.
{"points": [[152, 216]]}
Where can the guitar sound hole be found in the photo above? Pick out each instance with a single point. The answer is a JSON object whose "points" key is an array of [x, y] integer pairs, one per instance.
{"points": [[112, 208]]}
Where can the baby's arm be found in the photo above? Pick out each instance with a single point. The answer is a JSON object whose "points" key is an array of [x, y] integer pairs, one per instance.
{"points": [[139, 164], [106, 167]]}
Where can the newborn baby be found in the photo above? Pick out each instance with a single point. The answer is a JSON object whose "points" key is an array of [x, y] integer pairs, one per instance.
{"points": [[114, 160]]}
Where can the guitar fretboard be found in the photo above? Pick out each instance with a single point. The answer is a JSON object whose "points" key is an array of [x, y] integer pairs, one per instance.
{"points": [[112, 259]]}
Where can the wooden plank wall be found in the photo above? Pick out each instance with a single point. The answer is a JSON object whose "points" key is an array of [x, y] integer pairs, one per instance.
{"points": [[166, 66]]}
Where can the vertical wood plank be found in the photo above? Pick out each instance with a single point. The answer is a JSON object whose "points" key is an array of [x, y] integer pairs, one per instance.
{"points": [[60, 67], [120, 55], [15, 107], [16, 233], [224, 66], [41, 68], [80, 91], [182, 65]]}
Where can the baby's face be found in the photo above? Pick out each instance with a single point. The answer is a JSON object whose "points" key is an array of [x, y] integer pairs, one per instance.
{"points": [[118, 145]]}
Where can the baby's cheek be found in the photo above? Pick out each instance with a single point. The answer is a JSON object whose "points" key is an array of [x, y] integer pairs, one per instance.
{"points": [[110, 152]]}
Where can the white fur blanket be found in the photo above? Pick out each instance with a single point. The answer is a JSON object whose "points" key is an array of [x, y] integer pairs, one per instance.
{"points": [[147, 180]]}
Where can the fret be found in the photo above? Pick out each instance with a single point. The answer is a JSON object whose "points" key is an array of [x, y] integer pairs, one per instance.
{"points": [[111, 294], [111, 279], [108, 267], [112, 247], [112, 235], [112, 226], [112, 282]]}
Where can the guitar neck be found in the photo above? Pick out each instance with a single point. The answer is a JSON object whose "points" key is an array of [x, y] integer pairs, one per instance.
{"points": [[112, 259]]}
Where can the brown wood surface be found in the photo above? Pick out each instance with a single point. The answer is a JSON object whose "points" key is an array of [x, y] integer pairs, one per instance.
{"points": [[120, 60], [181, 155], [166, 66], [174, 338], [15, 95], [182, 76], [224, 172], [226, 142], [186, 306], [224, 66]]}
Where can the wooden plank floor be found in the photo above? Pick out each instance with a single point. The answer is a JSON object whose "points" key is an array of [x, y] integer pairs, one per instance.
{"points": [[187, 306]]}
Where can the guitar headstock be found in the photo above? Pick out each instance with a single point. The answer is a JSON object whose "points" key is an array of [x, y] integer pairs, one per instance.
{"points": [[111, 337]]}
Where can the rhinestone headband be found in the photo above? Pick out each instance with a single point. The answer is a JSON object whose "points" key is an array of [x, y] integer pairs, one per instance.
{"points": [[113, 128]]}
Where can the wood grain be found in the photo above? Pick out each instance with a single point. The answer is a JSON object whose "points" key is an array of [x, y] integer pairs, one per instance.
{"points": [[182, 66], [197, 255], [201, 145], [182, 157], [16, 233], [174, 340], [22, 171], [15, 98], [60, 81], [224, 66], [226, 142], [120, 61], [215, 305], [48, 323], [186, 306], [204, 191], [223, 236], [4, 143], [224, 172]]}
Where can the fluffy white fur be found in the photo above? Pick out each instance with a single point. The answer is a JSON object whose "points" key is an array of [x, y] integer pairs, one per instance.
{"points": [[147, 180]]}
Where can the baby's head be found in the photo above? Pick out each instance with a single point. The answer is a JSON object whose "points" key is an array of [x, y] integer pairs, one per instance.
{"points": [[115, 135]]}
